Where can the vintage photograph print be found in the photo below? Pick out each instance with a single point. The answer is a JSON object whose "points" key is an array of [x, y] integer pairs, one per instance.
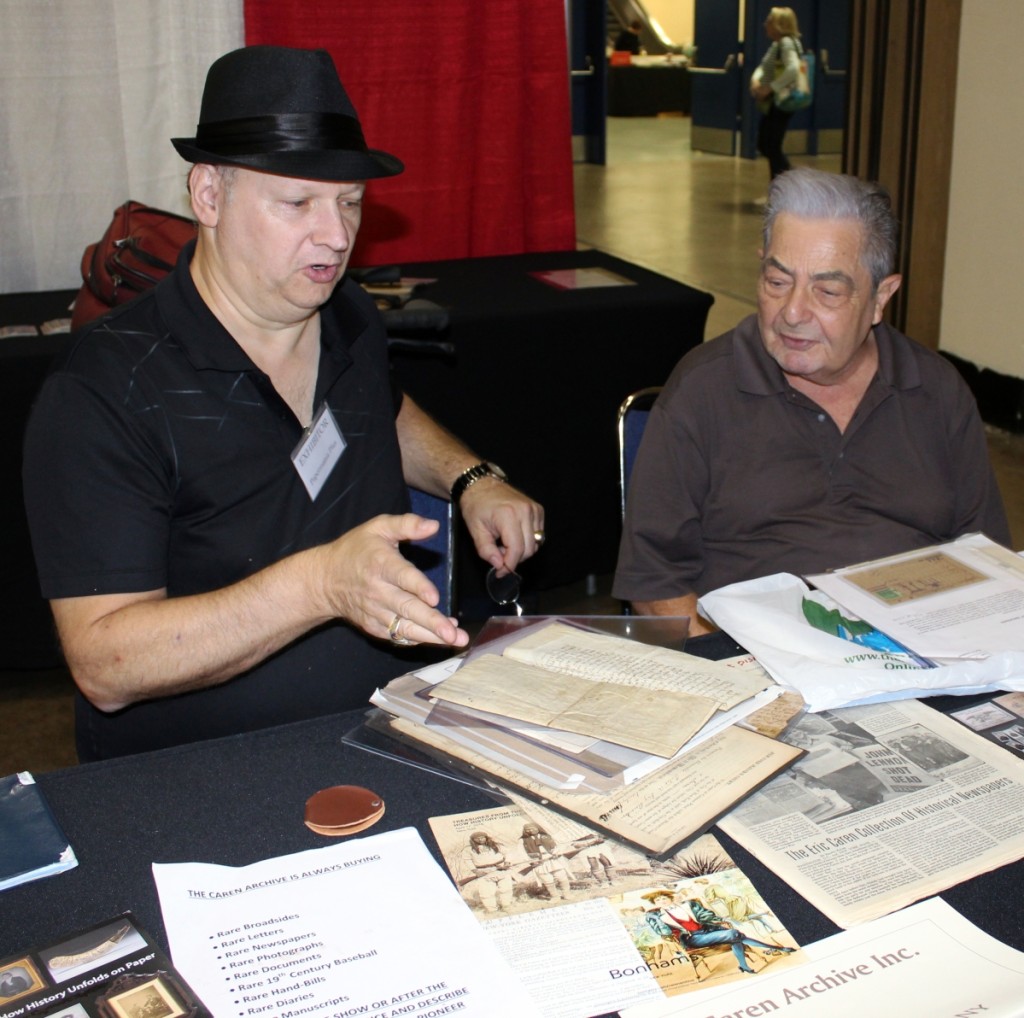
{"points": [[150, 999], [18, 978]]}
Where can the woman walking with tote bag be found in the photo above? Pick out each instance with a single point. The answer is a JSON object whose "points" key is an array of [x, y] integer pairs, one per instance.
{"points": [[777, 73]]}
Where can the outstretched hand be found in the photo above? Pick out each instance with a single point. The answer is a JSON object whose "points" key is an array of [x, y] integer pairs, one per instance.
{"points": [[366, 580]]}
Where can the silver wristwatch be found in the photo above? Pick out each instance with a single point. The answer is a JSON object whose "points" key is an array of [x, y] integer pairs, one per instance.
{"points": [[473, 474]]}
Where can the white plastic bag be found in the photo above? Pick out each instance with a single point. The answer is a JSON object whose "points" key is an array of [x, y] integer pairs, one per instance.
{"points": [[766, 617]]}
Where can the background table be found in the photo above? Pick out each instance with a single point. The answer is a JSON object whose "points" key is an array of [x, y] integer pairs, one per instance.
{"points": [[536, 381], [26, 630], [647, 91]]}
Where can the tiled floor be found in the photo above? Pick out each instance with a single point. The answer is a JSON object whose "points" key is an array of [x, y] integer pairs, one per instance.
{"points": [[687, 215]]}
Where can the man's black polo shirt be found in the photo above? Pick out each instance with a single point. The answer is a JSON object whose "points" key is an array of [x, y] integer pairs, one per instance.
{"points": [[158, 455]]}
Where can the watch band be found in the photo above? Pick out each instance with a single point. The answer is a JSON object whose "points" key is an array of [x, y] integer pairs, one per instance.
{"points": [[473, 474]]}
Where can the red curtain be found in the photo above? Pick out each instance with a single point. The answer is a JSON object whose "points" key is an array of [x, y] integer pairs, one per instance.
{"points": [[472, 95]]}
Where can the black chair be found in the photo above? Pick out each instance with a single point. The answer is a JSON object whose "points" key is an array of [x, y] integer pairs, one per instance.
{"points": [[414, 328]]}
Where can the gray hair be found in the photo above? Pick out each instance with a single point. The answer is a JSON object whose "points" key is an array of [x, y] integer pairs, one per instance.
{"points": [[815, 194]]}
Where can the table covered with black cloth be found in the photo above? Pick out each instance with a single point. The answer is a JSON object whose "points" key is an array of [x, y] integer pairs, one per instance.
{"points": [[27, 639], [240, 799], [647, 91], [535, 382]]}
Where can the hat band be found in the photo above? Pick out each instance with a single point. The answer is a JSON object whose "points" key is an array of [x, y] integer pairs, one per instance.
{"points": [[282, 132]]}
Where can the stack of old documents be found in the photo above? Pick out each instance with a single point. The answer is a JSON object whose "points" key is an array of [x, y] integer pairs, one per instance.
{"points": [[637, 740]]}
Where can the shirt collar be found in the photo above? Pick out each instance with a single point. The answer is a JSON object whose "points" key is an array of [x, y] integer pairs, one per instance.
{"points": [[208, 345]]}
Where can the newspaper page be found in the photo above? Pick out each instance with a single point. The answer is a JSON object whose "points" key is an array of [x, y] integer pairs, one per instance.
{"points": [[893, 802], [551, 892]]}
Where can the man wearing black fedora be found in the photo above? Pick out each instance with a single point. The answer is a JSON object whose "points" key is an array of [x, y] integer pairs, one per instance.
{"points": [[216, 472]]}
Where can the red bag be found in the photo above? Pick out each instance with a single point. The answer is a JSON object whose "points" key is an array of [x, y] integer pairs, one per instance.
{"points": [[138, 249]]}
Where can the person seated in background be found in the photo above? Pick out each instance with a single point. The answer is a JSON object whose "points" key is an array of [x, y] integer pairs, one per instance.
{"points": [[628, 40], [811, 436], [216, 473]]}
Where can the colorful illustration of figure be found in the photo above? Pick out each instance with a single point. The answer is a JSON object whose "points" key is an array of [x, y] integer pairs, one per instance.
{"points": [[549, 865], [690, 922], [735, 907], [489, 872], [653, 947]]}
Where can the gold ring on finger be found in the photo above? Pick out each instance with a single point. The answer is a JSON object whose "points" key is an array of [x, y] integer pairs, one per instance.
{"points": [[395, 635]]}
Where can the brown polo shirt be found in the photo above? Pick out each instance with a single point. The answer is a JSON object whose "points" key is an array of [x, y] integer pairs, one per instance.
{"points": [[739, 475]]}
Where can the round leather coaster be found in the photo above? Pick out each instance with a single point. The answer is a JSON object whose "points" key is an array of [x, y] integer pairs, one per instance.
{"points": [[343, 809]]}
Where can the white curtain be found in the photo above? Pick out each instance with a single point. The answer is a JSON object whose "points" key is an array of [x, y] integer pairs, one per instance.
{"points": [[91, 91]]}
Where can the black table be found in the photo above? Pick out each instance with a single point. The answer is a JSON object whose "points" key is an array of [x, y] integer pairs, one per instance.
{"points": [[647, 91], [26, 632], [536, 381], [237, 800]]}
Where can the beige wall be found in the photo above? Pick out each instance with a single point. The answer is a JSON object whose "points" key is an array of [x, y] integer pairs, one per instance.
{"points": [[675, 17], [983, 288]]}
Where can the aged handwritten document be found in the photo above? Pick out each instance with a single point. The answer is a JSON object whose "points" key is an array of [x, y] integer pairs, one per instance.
{"points": [[558, 674], [561, 648], [655, 721], [659, 812], [647, 698]]}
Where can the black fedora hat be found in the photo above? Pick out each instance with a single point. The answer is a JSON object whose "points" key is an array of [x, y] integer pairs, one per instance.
{"points": [[283, 111]]}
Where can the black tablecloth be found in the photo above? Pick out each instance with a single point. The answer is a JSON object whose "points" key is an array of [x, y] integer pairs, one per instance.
{"points": [[647, 91], [229, 801], [26, 632]]}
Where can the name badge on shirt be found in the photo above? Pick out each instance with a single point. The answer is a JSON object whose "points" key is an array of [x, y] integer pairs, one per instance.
{"points": [[319, 451]]}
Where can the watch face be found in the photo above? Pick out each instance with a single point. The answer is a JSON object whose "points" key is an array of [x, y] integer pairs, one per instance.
{"points": [[497, 471]]}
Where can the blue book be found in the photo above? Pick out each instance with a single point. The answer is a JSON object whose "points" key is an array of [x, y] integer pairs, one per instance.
{"points": [[32, 845]]}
